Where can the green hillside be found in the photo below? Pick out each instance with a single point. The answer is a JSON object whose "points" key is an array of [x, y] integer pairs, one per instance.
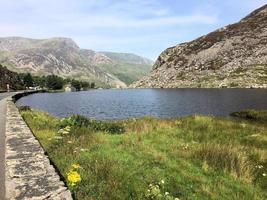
{"points": [[128, 67]]}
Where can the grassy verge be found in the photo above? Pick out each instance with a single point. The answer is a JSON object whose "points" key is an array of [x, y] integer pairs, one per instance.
{"points": [[195, 157], [55, 91], [256, 115]]}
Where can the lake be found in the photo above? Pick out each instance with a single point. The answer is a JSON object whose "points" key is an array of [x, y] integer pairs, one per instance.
{"points": [[135, 103]]}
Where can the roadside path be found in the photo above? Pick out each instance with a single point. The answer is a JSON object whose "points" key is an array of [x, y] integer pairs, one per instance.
{"points": [[4, 95]]}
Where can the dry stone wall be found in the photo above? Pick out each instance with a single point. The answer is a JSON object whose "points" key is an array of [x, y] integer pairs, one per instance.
{"points": [[29, 173]]}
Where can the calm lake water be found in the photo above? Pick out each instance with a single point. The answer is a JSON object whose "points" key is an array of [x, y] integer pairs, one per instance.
{"points": [[135, 103]]}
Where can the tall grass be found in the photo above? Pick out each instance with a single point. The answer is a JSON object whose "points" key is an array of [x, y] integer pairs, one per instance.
{"points": [[227, 158], [197, 157]]}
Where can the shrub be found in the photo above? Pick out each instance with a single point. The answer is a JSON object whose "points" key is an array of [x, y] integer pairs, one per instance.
{"points": [[233, 84], [80, 121], [68, 121], [24, 108]]}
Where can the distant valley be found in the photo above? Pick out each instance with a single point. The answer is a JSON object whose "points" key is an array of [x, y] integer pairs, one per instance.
{"points": [[63, 57]]}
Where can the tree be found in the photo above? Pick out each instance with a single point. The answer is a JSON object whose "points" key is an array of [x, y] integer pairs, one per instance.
{"points": [[28, 80], [76, 84], [85, 85], [39, 81], [54, 82], [92, 85]]}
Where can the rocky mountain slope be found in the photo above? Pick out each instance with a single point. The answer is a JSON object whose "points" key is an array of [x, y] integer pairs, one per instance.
{"points": [[233, 56], [63, 57]]}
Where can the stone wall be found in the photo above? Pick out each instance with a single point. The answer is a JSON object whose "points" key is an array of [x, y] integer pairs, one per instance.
{"points": [[29, 173]]}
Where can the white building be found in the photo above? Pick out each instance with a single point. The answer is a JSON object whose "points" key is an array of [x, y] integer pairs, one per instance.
{"points": [[69, 88]]}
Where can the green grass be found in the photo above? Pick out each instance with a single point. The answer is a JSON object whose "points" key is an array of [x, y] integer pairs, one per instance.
{"points": [[127, 72], [198, 157]]}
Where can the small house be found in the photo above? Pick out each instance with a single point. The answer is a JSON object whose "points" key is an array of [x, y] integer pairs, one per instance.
{"points": [[69, 88]]}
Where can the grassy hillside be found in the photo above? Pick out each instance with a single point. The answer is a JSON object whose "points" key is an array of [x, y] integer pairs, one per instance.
{"points": [[128, 58], [127, 72], [127, 67], [195, 157]]}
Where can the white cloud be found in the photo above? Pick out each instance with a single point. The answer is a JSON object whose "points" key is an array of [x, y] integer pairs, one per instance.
{"points": [[161, 12], [110, 21]]}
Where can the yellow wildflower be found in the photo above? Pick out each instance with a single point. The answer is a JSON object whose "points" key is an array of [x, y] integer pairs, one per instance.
{"points": [[76, 166], [73, 177]]}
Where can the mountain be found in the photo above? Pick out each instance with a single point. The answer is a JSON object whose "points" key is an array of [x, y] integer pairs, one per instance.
{"points": [[233, 56], [63, 57], [127, 67], [12, 78]]}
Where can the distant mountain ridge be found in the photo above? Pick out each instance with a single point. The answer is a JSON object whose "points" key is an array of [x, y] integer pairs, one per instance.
{"points": [[233, 56], [128, 58], [63, 57]]}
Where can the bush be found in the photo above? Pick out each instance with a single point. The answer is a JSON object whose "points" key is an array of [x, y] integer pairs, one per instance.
{"points": [[24, 108], [80, 121], [233, 84]]}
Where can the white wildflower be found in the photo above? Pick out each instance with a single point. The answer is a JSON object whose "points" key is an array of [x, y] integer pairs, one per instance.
{"points": [[58, 138], [83, 150], [60, 130], [243, 125], [185, 147], [259, 166], [65, 132]]}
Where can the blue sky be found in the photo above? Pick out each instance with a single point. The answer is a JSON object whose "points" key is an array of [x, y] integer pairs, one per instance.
{"points": [[143, 27]]}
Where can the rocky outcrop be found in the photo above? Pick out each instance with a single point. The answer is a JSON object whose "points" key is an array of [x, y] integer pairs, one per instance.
{"points": [[63, 57], [29, 173], [233, 56]]}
